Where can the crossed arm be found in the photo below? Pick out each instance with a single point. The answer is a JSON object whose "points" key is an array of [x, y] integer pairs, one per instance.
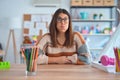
{"points": [[74, 59]]}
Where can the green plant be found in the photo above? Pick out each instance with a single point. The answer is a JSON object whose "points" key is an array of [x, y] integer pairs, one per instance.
{"points": [[101, 15], [94, 16]]}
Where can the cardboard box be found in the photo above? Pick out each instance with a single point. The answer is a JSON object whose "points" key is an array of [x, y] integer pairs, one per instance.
{"points": [[76, 2], [98, 2], [87, 2], [108, 2]]}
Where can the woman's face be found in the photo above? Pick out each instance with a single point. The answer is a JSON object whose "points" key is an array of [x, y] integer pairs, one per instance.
{"points": [[62, 23]]}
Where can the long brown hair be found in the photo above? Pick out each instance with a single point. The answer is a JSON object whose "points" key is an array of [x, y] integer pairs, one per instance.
{"points": [[54, 32]]}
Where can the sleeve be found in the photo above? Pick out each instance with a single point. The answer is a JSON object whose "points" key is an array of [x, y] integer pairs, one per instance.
{"points": [[42, 57], [73, 58], [82, 49]]}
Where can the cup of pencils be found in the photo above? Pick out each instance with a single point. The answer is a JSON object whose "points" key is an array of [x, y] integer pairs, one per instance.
{"points": [[30, 55], [117, 57]]}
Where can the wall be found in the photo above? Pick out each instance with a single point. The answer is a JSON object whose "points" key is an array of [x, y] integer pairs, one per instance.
{"points": [[11, 13]]}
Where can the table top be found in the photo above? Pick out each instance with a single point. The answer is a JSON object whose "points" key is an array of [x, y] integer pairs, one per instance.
{"points": [[57, 72]]}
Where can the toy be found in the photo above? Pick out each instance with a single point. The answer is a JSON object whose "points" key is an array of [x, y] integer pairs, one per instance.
{"points": [[34, 39], [4, 65], [107, 30], [105, 60], [97, 30], [27, 40], [85, 30]]}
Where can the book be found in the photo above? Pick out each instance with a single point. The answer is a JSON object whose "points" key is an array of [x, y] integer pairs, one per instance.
{"points": [[109, 69]]}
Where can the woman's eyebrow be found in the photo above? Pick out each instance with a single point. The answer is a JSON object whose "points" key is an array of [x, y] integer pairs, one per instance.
{"points": [[61, 17]]}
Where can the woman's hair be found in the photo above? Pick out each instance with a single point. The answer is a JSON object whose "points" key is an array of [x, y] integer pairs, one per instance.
{"points": [[54, 32]]}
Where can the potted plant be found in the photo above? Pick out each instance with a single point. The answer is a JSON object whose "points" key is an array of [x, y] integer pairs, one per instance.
{"points": [[100, 16], [94, 16]]}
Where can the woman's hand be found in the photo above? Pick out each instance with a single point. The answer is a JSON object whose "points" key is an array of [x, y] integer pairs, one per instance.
{"points": [[59, 60], [73, 58]]}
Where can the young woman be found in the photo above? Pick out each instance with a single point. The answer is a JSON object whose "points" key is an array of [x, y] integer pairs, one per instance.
{"points": [[61, 45]]}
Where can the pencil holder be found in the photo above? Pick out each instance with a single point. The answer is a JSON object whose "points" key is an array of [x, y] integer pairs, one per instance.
{"points": [[30, 55], [84, 15], [31, 67], [105, 60]]}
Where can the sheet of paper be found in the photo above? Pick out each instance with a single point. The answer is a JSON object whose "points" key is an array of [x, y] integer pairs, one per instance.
{"points": [[46, 18], [42, 26], [36, 18], [28, 24], [34, 31]]}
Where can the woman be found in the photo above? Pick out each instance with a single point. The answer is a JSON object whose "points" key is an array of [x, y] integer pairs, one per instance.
{"points": [[61, 45]]}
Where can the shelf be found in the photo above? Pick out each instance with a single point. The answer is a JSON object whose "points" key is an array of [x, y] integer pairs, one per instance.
{"points": [[84, 15], [93, 20], [96, 34], [93, 6], [96, 48]]}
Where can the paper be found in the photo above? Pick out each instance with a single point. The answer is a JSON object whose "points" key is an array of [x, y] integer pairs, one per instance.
{"points": [[42, 26], [33, 31], [36, 18], [110, 68], [28, 24], [46, 18]]}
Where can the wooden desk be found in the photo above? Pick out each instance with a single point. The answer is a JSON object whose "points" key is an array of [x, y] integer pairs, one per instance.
{"points": [[58, 72]]}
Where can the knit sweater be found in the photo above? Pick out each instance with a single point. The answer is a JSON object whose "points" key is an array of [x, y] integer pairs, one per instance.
{"points": [[77, 51]]}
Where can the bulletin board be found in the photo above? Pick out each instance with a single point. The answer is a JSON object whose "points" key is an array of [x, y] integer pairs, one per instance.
{"points": [[36, 24]]}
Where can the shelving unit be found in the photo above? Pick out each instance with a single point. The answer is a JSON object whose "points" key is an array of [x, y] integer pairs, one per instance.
{"points": [[96, 40], [96, 34], [92, 20]]}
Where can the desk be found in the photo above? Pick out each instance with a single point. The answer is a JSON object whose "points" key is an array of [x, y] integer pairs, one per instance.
{"points": [[58, 72]]}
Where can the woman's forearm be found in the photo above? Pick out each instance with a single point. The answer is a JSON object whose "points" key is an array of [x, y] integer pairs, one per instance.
{"points": [[52, 60], [59, 60]]}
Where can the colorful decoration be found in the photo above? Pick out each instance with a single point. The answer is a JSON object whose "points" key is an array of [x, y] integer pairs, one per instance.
{"points": [[34, 39]]}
